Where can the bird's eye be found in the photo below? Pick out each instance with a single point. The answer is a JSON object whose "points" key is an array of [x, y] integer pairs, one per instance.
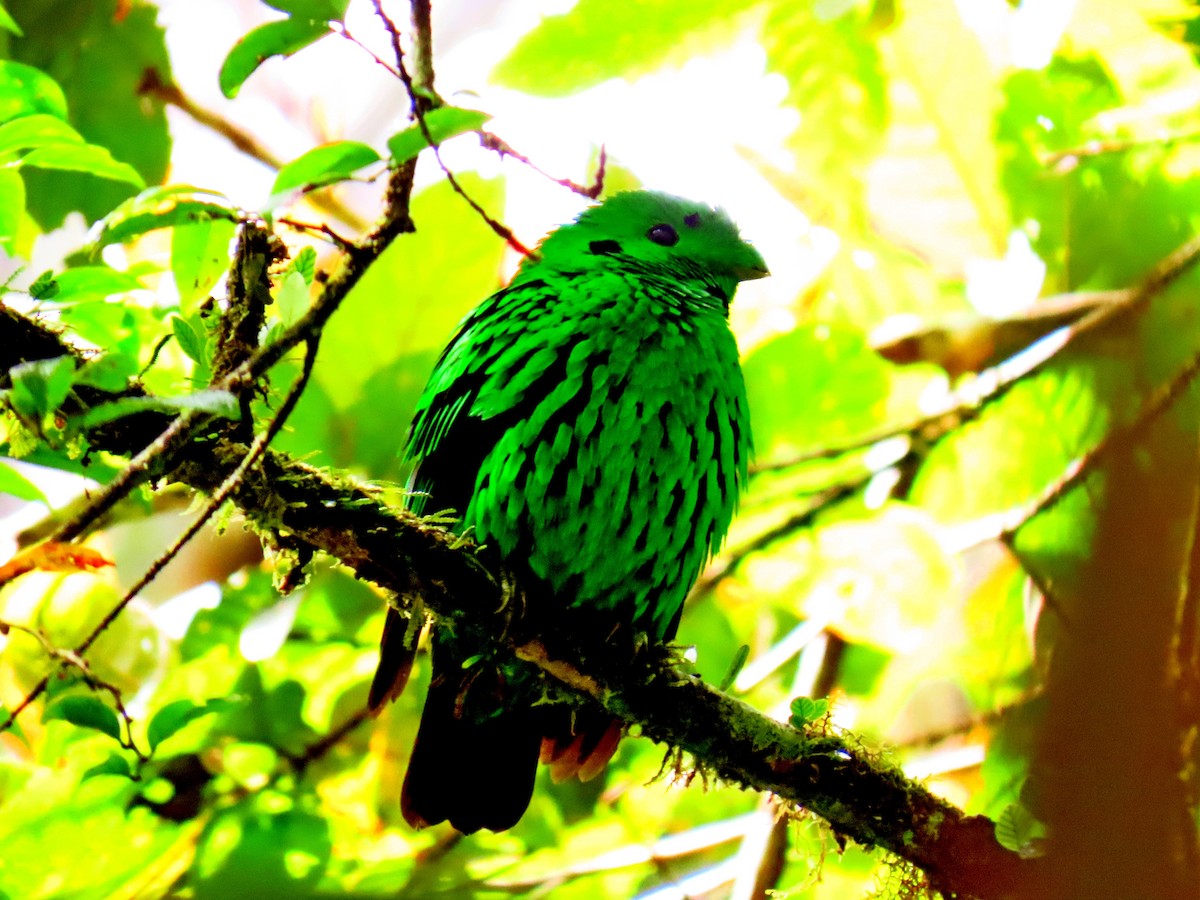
{"points": [[604, 248], [663, 234]]}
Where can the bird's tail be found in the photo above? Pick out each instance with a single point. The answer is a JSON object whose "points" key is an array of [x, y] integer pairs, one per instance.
{"points": [[579, 742], [473, 769], [397, 649]]}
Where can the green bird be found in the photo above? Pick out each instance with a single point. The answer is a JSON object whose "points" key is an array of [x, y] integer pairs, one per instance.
{"points": [[589, 424]]}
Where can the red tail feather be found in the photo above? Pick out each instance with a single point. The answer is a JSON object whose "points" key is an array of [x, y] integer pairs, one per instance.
{"points": [[584, 753]]}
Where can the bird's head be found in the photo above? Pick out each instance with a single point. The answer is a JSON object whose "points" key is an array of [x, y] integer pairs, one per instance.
{"points": [[652, 231]]}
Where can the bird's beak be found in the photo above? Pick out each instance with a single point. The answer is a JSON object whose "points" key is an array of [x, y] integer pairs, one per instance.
{"points": [[751, 265]]}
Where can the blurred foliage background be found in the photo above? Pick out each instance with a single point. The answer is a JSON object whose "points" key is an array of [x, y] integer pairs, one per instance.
{"points": [[974, 419]]}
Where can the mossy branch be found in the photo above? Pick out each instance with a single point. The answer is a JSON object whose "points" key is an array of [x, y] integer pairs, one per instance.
{"points": [[862, 797]]}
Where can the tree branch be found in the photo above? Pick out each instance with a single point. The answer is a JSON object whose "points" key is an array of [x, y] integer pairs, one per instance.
{"points": [[860, 796]]}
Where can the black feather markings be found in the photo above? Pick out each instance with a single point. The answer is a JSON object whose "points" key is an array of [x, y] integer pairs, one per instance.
{"points": [[604, 248], [567, 414], [713, 424]]}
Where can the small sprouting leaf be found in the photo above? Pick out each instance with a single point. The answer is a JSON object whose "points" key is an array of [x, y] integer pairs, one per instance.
{"points": [[191, 340], [806, 710], [90, 158], [443, 123], [40, 386], [85, 712], [44, 287], [281, 38], [324, 165], [305, 263], [217, 403], [292, 297], [172, 718], [160, 207], [1017, 830], [116, 764], [17, 485], [332, 10]]}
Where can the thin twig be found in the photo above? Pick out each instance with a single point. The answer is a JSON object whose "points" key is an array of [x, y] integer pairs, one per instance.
{"points": [[320, 747], [394, 35], [153, 85], [1066, 160], [969, 401], [1080, 467], [341, 29], [423, 99], [492, 142], [155, 457], [343, 244], [73, 659], [723, 566]]}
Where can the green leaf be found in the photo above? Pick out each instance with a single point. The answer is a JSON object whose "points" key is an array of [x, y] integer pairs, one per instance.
{"points": [[158, 791], [25, 90], [273, 39], [813, 386], [39, 387], [1017, 829], [598, 40], [115, 764], [1069, 207], [806, 710], [169, 206], [86, 284], [191, 340], [17, 485], [12, 212], [199, 256], [217, 403], [324, 165], [36, 130], [292, 297], [305, 263], [8, 23], [331, 10], [172, 718], [249, 763], [85, 712], [44, 287], [443, 123], [101, 60], [88, 158], [109, 372], [834, 75]]}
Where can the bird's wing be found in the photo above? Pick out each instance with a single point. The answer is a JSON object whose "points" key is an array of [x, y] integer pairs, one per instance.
{"points": [[453, 431]]}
